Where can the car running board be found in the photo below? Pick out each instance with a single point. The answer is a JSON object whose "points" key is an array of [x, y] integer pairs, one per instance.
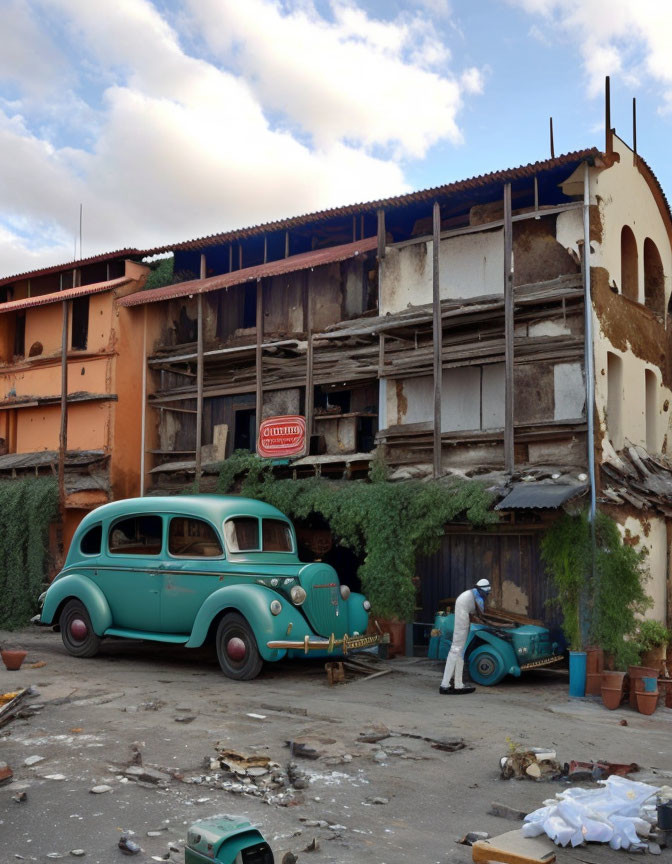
{"points": [[176, 639]]}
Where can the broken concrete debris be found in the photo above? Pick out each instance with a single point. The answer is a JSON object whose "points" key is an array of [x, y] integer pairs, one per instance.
{"points": [[100, 790], [473, 837], [506, 812]]}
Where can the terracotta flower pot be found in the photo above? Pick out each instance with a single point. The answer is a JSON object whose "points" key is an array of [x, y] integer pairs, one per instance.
{"points": [[594, 662], [593, 684], [611, 697], [647, 702], [13, 659], [613, 679], [636, 672]]}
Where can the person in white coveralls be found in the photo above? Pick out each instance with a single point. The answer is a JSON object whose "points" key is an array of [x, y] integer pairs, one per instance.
{"points": [[470, 602]]}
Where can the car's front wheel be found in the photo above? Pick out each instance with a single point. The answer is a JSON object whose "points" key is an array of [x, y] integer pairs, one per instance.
{"points": [[237, 650], [77, 634], [486, 666]]}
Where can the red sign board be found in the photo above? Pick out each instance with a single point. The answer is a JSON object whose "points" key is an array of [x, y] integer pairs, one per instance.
{"points": [[282, 436]]}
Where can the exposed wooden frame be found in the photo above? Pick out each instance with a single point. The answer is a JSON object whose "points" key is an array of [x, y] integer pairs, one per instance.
{"points": [[508, 333], [437, 331], [199, 380], [381, 234]]}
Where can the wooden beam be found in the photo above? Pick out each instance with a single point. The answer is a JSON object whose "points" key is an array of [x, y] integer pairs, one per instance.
{"points": [[381, 235], [437, 332], [310, 396], [199, 380], [143, 408], [63, 435], [286, 244], [258, 357], [508, 332]]}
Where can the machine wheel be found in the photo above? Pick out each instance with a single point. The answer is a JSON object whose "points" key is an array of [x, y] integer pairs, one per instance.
{"points": [[237, 650], [77, 633], [486, 666]]}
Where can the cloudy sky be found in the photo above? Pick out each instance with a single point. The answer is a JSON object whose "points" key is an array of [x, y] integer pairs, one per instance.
{"points": [[172, 119]]}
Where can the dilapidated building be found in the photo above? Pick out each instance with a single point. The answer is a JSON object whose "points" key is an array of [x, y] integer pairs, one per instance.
{"points": [[460, 330], [335, 316], [68, 387]]}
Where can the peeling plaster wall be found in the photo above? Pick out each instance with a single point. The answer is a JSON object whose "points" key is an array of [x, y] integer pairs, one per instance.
{"points": [[624, 198], [470, 266], [650, 532]]}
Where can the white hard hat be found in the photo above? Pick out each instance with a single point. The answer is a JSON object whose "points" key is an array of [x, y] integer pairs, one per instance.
{"points": [[483, 586]]}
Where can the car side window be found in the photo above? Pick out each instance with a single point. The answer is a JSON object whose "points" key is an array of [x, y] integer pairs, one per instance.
{"points": [[242, 534], [193, 538], [277, 536], [137, 535], [91, 542]]}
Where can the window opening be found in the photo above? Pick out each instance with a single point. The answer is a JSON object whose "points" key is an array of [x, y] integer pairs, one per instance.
{"points": [[250, 306], [80, 323], [615, 399], [654, 279], [193, 538], [245, 430], [651, 389], [20, 335], [92, 541], [277, 536], [629, 264], [242, 534], [139, 535]]}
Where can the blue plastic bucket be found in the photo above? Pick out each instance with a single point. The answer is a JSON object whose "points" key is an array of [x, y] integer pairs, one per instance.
{"points": [[577, 673], [650, 685]]}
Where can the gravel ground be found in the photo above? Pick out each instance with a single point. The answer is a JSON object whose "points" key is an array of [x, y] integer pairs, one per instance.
{"points": [[145, 694]]}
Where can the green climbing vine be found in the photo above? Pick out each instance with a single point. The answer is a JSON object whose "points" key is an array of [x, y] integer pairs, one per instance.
{"points": [[387, 524], [602, 605], [27, 506]]}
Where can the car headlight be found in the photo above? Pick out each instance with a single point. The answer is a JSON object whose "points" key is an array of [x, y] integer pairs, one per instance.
{"points": [[298, 595], [345, 592], [41, 599], [366, 605], [276, 607]]}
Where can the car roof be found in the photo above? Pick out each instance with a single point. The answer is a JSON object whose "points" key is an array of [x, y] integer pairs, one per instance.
{"points": [[216, 508]]}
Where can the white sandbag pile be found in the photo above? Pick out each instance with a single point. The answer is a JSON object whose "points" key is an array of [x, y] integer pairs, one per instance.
{"points": [[621, 813]]}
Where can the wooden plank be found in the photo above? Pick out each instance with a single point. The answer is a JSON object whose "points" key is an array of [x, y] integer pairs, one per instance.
{"points": [[199, 379], [310, 394], [437, 332], [258, 357], [381, 234], [508, 333]]}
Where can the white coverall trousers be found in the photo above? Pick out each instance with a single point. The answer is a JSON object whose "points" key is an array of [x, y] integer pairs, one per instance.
{"points": [[465, 606]]}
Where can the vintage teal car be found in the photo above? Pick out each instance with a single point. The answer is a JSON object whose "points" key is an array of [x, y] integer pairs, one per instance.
{"points": [[198, 568]]}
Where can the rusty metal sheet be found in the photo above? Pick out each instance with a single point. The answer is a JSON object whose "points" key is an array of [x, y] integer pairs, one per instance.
{"points": [[67, 294], [539, 496], [304, 261]]}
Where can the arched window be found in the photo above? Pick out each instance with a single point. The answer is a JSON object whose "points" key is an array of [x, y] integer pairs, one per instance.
{"points": [[654, 281], [615, 400], [651, 389], [629, 267]]}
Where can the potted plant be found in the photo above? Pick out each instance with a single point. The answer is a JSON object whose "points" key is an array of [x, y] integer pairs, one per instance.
{"points": [[652, 639]]}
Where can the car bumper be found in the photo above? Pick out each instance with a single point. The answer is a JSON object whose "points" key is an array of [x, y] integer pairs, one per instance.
{"points": [[347, 643], [535, 664]]}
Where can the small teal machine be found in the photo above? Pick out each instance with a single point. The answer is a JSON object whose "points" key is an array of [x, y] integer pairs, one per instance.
{"points": [[492, 652], [226, 840]]}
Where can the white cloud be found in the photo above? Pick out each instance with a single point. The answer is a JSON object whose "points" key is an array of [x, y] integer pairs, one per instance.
{"points": [[616, 37], [289, 112]]}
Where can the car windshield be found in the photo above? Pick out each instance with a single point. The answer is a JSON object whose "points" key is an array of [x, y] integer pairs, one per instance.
{"points": [[242, 534], [277, 536]]}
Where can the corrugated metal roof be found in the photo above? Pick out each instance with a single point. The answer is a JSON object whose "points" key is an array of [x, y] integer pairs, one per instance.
{"points": [[304, 261], [538, 496], [68, 294], [71, 265], [430, 194]]}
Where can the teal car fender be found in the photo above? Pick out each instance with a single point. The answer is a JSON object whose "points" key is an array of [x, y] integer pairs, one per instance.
{"points": [[253, 603], [358, 617], [87, 592], [478, 636]]}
